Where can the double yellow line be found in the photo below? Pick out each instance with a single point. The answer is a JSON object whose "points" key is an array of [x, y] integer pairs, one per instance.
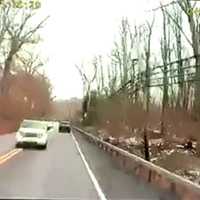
{"points": [[9, 155]]}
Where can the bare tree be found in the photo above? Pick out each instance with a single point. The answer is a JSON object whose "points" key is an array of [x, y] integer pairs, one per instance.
{"points": [[165, 56], [124, 44], [98, 77], [177, 16], [117, 61], [187, 6], [87, 82], [101, 73], [122, 52], [112, 75], [193, 21], [3, 18], [100, 81], [18, 33], [147, 50], [30, 63]]}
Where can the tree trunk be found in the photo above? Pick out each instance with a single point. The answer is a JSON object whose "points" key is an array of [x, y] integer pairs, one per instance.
{"points": [[146, 146], [195, 32], [164, 51], [180, 97], [196, 106], [5, 78]]}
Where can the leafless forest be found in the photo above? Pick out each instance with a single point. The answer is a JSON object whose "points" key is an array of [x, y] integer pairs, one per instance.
{"points": [[145, 95], [25, 90]]}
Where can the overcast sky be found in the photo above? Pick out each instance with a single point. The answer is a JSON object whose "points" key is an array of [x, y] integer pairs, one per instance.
{"points": [[77, 30]]}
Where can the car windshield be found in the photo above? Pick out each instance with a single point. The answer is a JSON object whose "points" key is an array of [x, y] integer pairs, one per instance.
{"points": [[33, 124]]}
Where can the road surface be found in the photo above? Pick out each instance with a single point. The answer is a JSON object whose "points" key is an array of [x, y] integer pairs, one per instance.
{"points": [[63, 172]]}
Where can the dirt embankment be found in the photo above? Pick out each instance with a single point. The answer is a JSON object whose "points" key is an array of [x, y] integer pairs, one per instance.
{"points": [[176, 154]]}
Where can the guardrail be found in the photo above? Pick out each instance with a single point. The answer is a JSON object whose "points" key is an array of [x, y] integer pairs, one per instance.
{"points": [[163, 179]]}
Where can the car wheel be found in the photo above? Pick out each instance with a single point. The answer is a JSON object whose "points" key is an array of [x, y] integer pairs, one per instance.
{"points": [[17, 145], [44, 146], [68, 130]]}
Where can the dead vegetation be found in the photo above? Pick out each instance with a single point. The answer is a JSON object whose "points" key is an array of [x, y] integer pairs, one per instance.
{"points": [[28, 96], [172, 132], [146, 98], [25, 91], [176, 149]]}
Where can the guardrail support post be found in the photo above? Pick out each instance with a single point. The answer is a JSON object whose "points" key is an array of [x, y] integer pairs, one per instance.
{"points": [[146, 145]]}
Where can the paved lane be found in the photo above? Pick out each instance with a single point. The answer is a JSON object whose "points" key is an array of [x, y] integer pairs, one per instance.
{"points": [[55, 173], [59, 172], [116, 184], [7, 142]]}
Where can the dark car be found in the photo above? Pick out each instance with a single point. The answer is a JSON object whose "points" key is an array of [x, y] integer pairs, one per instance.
{"points": [[64, 127]]}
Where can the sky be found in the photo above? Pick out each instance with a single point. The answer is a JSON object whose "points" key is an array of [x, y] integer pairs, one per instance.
{"points": [[80, 29]]}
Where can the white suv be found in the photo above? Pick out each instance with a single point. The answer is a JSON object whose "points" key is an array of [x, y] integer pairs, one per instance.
{"points": [[32, 132]]}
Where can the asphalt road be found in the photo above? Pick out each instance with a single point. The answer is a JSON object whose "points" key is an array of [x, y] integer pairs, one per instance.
{"points": [[61, 172], [7, 142]]}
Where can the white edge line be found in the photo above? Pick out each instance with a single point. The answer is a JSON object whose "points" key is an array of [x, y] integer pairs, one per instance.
{"points": [[91, 174]]}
